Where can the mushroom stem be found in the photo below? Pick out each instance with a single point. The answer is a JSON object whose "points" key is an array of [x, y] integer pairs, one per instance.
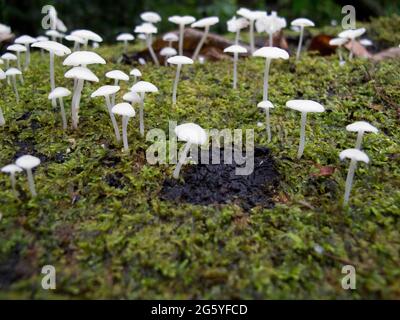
{"points": [[268, 124], [116, 82], [14, 84], [141, 114], [75, 103], [266, 79], [340, 54], [125, 132], [52, 78], [181, 34], [349, 181], [359, 140], [237, 37], [235, 60], [201, 43], [181, 161], [252, 47], [2, 120], [13, 184], [178, 74], [19, 61], [351, 50], [150, 47], [300, 43], [271, 39], [125, 46], [302, 134], [31, 182], [63, 116], [27, 57], [114, 122]]}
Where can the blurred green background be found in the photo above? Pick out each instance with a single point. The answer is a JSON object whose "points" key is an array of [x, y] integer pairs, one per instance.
{"points": [[109, 17]]}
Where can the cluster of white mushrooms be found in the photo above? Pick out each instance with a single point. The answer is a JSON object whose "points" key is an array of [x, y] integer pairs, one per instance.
{"points": [[79, 62]]}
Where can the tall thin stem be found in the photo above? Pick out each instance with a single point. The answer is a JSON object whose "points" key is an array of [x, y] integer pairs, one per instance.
{"points": [[182, 160], [52, 78], [27, 57], [201, 43], [31, 182], [14, 84], [266, 79], [271, 39], [75, 103], [63, 116], [235, 61], [175, 89], [340, 54], [13, 184], [268, 124], [141, 114], [149, 41], [125, 132], [252, 47], [116, 82], [2, 120], [302, 134], [300, 43], [181, 35], [114, 122], [237, 38], [349, 181], [359, 140]]}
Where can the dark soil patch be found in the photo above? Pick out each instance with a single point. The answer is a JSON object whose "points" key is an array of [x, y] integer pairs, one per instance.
{"points": [[218, 183]]}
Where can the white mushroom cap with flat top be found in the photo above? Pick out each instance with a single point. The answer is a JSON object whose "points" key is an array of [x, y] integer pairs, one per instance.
{"points": [[131, 97], [151, 17], [81, 73], [192, 133], [146, 28], [168, 52], [265, 105], [235, 49], [271, 53], [87, 35], [354, 154], [25, 40], [144, 86], [27, 162], [170, 37], [59, 92], [52, 46], [9, 56], [105, 91], [75, 39], [125, 37], [361, 126], [117, 75], [124, 109], [180, 60], [11, 168], [182, 20], [352, 33], [302, 22], [16, 48], [305, 106], [83, 58], [13, 72], [205, 22]]}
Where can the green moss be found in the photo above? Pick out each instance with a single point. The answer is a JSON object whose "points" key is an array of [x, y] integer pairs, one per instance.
{"points": [[123, 242]]}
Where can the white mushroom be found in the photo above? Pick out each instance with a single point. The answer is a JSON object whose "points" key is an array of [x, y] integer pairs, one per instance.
{"points": [[252, 16], [54, 35], [26, 41], [148, 29], [181, 21], [7, 57], [361, 127], [270, 24], [2, 120], [354, 155], [132, 97], [28, 163], [192, 134], [266, 105], [301, 23], [167, 52], [304, 106], [339, 42], [81, 74], [366, 42], [60, 93], [150, 17], [235, 25], [205, 23], [117, 76], [126, 111], [179, 61], [352, 34], [76, 40], [17, 48], [87, 36], [136, 74], [142, 87], [235, 49], [12, 169], [107, 92], [125, 38], [83, 59], [12, 73], [40, 39], [170, 37], [269, 53]]}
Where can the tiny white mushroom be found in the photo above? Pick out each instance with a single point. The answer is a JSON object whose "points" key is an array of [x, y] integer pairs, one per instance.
{"points": [[142, 87], [170, 37], [352, 34], [205, 23], [167, 52], [361, 127], [354, 155], [304, 106], [87, 36], [17, 48], [235, 49], [2, 120], [181, 21], [235, 25], [270, 24], [28, 163], [7, 57], [54, 35], [192, 134], [12, 73], [107, 92], [252, 16], [26, 41], [366, 42], [136, 74], [150, 17], [126, 111], [266, 105], [40, 39], [301, 23], [339, 42], [12, 169], [117, 76], [83, 59], [179, 61], [132, 97], [60, 93], [125, 38], [269, 53], [148, 29], [76, 40]]}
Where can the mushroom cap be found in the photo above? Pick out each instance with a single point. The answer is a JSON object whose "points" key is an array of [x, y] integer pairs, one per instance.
{"points": [[59, 92], [236, 24], [235, 49], [52, 46], [302, 22], [192, 133], [75, 39], [118, 75], [125, 37], [13, 72], [4, 28], [27, 162], [54, 33], [361, 126], [352, 33], [265, 105], [105, 91], [270, 23], [251, 14], [305, 106], [142, 36], [25, 40], [135, 72], [9, 56], [2, 75], [131, 97], [87, 35], [146, 28], [42, 38], [366, 42], [11, 168], [81, 73], [205, 22], [83, 58], [182, 20], [170, 36], [354, 154], [337, 42], [124, 109], [180, 60], [16, 48], [271, 53], [151, 17], [168, 52], [144, 86]]}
